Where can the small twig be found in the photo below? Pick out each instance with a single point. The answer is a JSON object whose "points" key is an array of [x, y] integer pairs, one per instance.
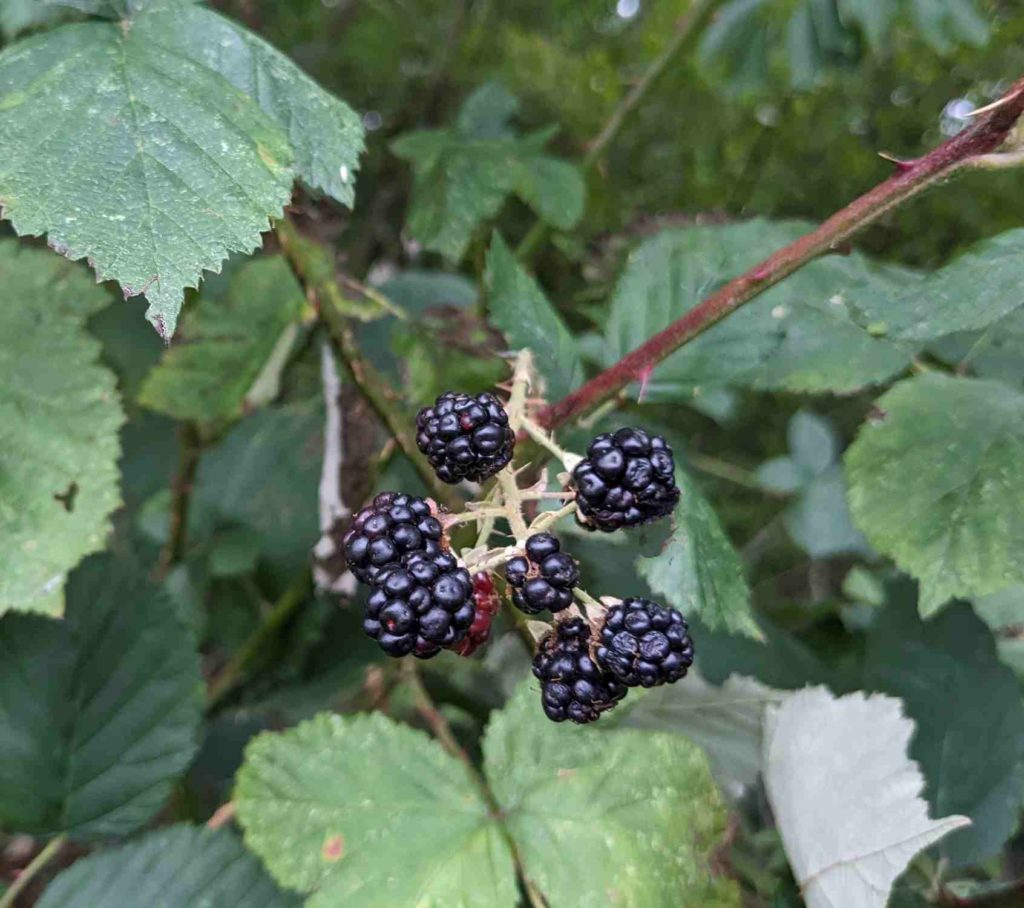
{"points": [[568, 459], [469, 516], [986, 135], [237, 665], [39, 863], [547, 519], [222, 816], [596, 147], [189, 450], [724, 470]]}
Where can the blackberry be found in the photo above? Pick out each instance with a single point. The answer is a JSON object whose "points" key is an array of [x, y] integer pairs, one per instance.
{"points": [[572, 685], [544, 578], [626, 479], [465, 436], [487, 605], [420, 604], [644, 644], [393, 525]]}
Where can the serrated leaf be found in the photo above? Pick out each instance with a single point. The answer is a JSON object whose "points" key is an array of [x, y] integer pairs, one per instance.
{"points": [[698, 570], [519, 308], [937, 484], [1004, 609], [59, 418], [99, 710], [156, 168], [799, 336], [179, 867], [325, 134], [993, 352], [725, 720], [969, 716], [976, 289], [845, 795], [224, 344], [596, 826], [463, 176], [331, 805]]}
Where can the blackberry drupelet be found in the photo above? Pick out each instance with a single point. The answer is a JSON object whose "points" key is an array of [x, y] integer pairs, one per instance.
{"points": [[644, 644], [486, 605], [544, 578], [572, 685], [465, 436], [420, 604], [626, 479], [393, 525]]}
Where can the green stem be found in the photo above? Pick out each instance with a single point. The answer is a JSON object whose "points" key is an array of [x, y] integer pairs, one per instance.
{"points": [[724, 470], [243, 657], [596, 147], [189, 451], [27, 875]]}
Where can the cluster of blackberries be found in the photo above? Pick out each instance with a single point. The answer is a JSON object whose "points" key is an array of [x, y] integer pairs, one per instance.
{"points": [[544, 579], [640, 644], [422, 598]]}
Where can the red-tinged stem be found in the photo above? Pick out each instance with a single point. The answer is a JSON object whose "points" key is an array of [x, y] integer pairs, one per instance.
{"points": [[984, 136]]}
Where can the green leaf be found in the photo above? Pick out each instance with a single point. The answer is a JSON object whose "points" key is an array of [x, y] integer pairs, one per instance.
{"points": [[178, 867], [361, 811], [519, 308], [18, 15], [99, 710], [156, 169], [60, 416], [993, 352], [812, 441], [463, 176], [698, 570], [223, 346], [937, 484], [595, 825], [799, 336], [980, 287], [819, 520], [264, 477], [969, 715], [325, 134]]}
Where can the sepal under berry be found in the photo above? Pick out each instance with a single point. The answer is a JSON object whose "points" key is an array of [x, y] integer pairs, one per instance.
{"points": [[419, 605], [573, 686], [644, 644], [465, 436], [626, 479]]}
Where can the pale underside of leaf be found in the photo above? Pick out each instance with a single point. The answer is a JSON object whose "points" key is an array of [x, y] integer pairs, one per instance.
{"points": [[846, 796]]}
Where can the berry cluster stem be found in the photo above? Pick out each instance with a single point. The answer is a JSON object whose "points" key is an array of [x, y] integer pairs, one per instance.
{"points": [[568, 459]]}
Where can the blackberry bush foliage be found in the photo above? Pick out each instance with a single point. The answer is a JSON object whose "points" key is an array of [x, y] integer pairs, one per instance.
{"points": [[323, 525]]}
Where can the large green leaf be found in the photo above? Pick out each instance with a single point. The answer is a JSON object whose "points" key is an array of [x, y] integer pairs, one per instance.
{"points": [[519, 308], [130, 154], [179, 867], [364, 812], [98, 711], [799, 336], [597, 826], [59, 416], [325, 134], [223, 346], [937, 483], [969, 715], [698, 570], [980, 287], [462, 176]]}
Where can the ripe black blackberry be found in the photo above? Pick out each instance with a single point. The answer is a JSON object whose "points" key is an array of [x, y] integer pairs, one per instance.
{"points": [[626, 479], [572, 685], [420, 604], [644, 644], [465, 436], [544, 578], [393, 525]]}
